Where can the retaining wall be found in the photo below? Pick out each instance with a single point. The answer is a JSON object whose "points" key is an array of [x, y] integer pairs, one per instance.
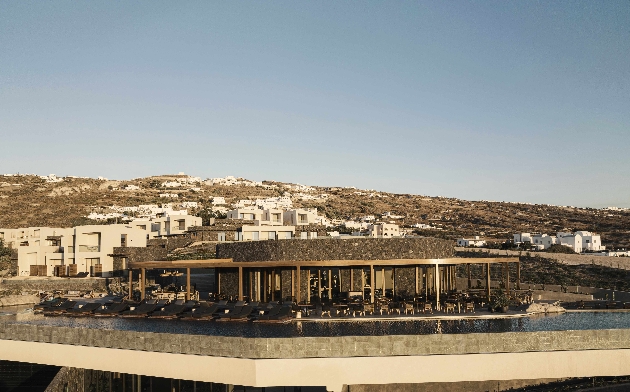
{"points": [[569, 259], [323, 347]]}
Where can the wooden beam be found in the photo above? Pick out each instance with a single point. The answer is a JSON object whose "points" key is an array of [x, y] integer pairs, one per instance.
{"points": [[228, 263], [518, 275]]}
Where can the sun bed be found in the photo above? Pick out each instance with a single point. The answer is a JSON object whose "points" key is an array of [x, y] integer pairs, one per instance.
{"points": [[111, 310], [58, 310], [84, 310], [142, 310]]}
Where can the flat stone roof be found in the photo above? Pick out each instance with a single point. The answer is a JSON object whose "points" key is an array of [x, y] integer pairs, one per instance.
{"points": [[337, 249]]}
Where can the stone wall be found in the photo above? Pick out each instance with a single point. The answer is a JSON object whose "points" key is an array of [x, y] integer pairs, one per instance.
{"points": [[357, 279], [170, 243], [405, 281], [285, 281], [569, 259], [319, 229], [337, 249], [228, 281], [52, 284], [345, 280], [323, 347]]}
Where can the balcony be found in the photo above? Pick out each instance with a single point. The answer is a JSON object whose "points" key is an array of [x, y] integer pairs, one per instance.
{"points": [[89, 248]]}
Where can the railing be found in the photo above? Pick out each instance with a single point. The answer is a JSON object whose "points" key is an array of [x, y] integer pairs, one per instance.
{"points": [[89, 248]]}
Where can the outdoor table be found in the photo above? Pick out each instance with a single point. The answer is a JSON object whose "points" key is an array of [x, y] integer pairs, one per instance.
{"points": [[341, 307], [305, 308]]}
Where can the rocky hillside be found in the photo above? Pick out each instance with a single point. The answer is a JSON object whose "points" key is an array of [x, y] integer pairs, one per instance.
{"points": [[32, 201]]}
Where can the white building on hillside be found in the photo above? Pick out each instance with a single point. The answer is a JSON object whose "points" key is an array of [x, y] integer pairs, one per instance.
{"points": [[519, 238], [383, 230], [477, 242]]}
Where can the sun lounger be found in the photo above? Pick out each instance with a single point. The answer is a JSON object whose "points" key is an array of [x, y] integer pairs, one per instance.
{"points": [[142, 310], [111, 310], [283, 314], [84, 310], [245, 312], [58, 310], [169, 311], [271, 313], [49, 304], [201, 313]]}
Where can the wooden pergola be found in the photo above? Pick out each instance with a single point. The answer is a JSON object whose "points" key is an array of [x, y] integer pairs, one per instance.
{"points": [[445, 278]]}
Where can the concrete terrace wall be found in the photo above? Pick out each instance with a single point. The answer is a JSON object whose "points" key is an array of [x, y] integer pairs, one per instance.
{"points": [[569, 259], [337, 249], [323, 347]]}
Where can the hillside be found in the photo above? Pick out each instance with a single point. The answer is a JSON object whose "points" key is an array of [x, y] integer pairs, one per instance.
{"points": [[32, 201]]}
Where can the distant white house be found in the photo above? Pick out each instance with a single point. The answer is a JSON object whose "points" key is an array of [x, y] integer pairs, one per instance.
{"points": [[131, 187], [167, 195], [383, 230], [520, 238], [543, 241], [466, 242], [217, 200]]}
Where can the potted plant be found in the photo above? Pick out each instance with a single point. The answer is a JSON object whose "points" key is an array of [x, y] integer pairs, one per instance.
{"points": [[500, 302]]}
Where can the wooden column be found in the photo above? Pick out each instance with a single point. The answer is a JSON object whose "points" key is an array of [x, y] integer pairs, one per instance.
{"points": [[299, 285], [372, 283], [187, 284], [383, 280], [250, 294], [217, 273], [240, 283], [264, 284], [142, 282], [507, 278], [437, 287], [293, 284], [330, 284], [393, 282], [518, 275], [488, 280], [426, 282], [416, 294], [272, 285], [130, 284], [469, 276], [319, 284]]}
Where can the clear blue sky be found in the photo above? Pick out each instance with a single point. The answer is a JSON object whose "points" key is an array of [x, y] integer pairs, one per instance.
{"points": [[520, 101]]}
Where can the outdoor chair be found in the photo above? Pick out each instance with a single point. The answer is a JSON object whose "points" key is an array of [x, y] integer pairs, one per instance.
{"points": [[428, 307], [470, 306], [393, 307], [368, 308], [409, 308], [325, 310], [450, 306]]}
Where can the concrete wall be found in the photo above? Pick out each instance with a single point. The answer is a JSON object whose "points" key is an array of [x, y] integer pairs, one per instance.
{"points": [[338, 249]]}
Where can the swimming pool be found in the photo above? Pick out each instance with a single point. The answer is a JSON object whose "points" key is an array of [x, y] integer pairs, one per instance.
{"points": [[558, 322]]}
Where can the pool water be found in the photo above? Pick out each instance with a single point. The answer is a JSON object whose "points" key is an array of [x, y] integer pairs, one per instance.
{"points": [[559, 322]]}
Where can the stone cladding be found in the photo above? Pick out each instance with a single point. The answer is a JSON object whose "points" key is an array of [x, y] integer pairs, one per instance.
{"points": [[337, 249]]}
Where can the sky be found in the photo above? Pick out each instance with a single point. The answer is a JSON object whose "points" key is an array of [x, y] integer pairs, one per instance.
{"points": [[480, 100]]}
